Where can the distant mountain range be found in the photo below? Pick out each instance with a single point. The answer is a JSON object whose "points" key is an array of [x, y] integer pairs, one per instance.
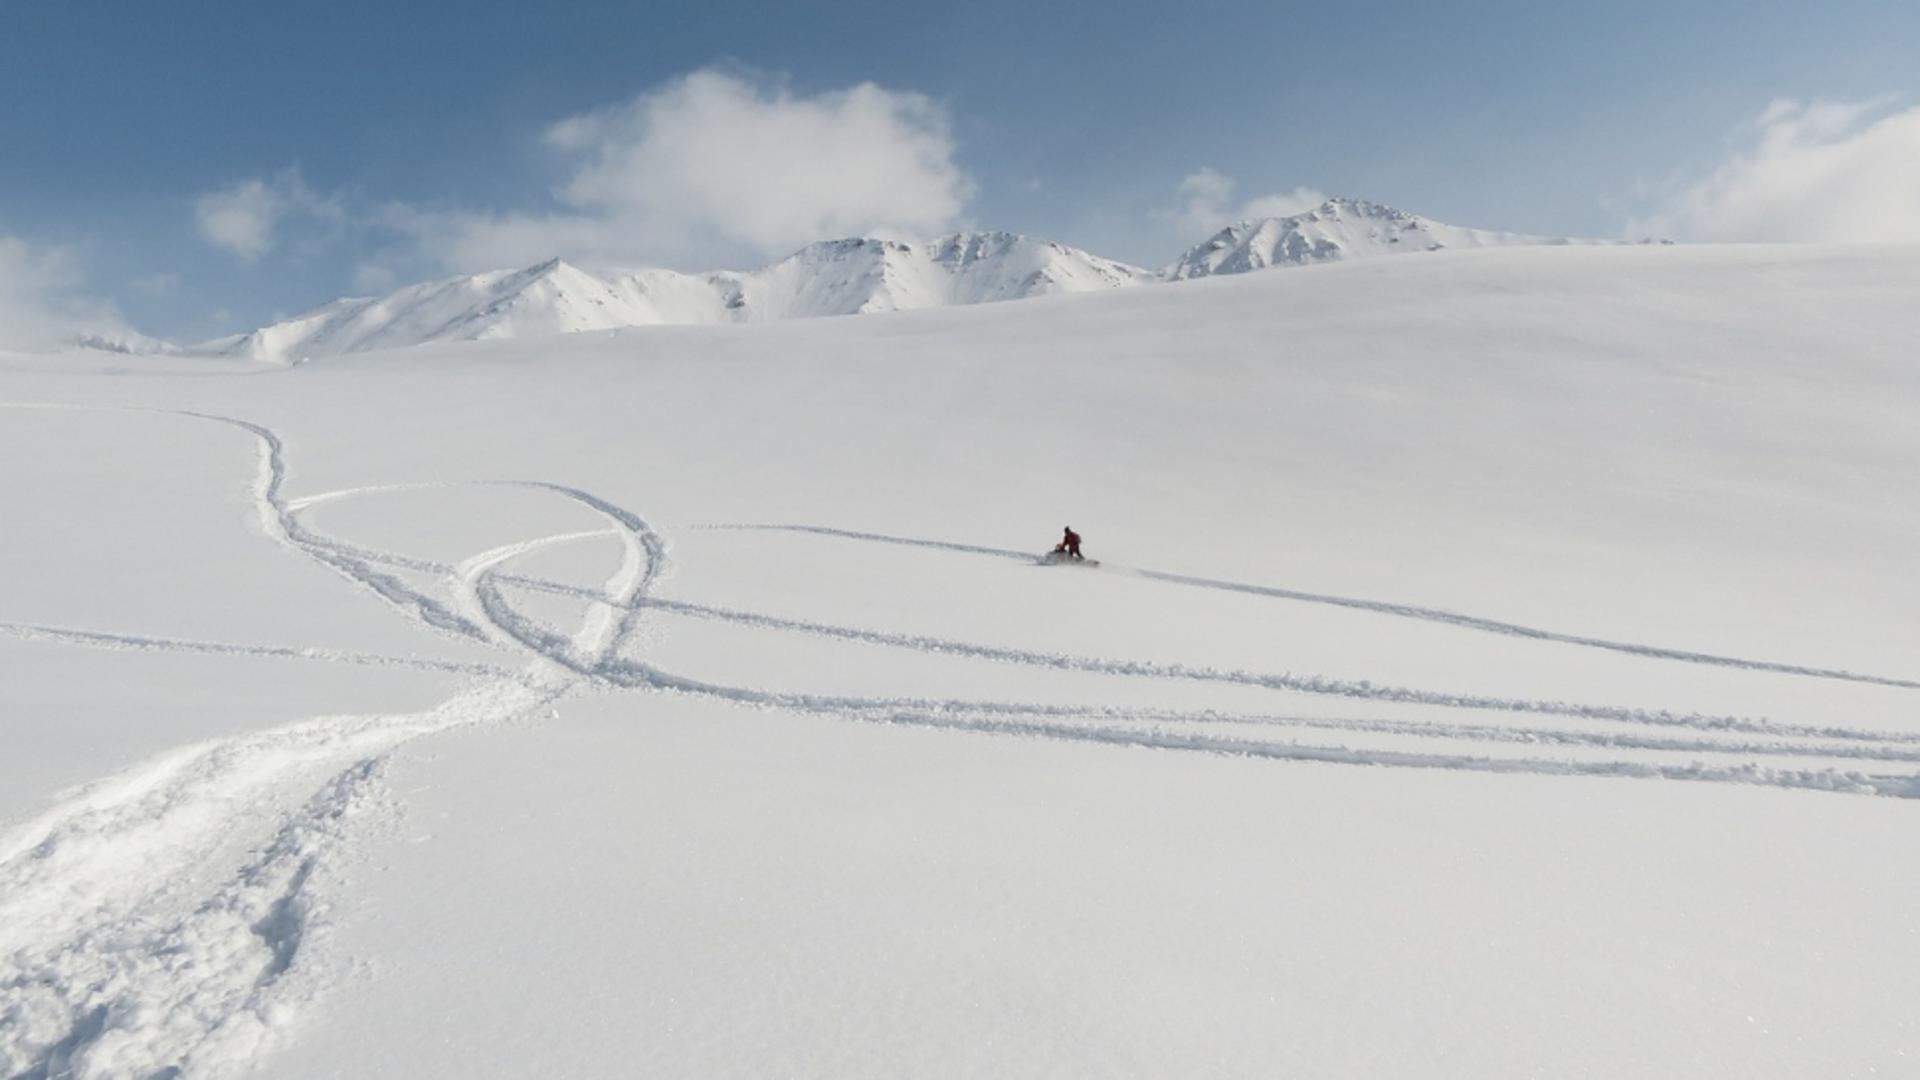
{"points": [[1337, 229], [835, 277]]}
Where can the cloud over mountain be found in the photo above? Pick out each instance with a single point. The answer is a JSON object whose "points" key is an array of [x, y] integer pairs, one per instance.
{"points": [[1847, 172], [1204, 201], [717, 163]]}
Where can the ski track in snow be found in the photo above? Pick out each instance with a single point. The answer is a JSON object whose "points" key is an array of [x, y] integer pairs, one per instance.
{"points": [[153, 923]]}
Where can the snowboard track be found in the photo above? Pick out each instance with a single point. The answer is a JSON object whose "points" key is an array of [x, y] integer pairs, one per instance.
{"points": [[1285, 681], [110, 930], [1380, 607]]}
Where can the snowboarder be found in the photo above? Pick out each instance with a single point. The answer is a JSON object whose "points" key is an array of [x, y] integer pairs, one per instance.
{"points": [[1069, 545]]}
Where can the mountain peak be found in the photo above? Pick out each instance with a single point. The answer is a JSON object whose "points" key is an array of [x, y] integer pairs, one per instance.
{"points": [[847, 276], [1340, 228], [555, 267]]}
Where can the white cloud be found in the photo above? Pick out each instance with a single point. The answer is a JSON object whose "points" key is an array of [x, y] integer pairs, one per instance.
{"points": [[1845, 172], [1283, 203], [239, 218], [1204, 203], [716, 166], [245, 217], [43, 298]]}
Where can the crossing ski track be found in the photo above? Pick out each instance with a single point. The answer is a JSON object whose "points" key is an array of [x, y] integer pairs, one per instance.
{"points": [[153, 923]]}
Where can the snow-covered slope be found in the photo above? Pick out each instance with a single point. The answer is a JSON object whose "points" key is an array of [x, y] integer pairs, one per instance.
{"points": [[551, 298], [1337, 229], [1514, 675], [840, 277]]}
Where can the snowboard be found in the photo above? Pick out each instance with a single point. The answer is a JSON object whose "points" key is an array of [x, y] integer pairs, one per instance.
{"points": [[1061, 558]]}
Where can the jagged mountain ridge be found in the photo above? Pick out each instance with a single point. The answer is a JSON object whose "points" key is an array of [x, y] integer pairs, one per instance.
{"points": [[1335, 230], [835, 277]]}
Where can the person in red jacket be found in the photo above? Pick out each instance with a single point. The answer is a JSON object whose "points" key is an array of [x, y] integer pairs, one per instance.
{"points": [[1069, 545]]}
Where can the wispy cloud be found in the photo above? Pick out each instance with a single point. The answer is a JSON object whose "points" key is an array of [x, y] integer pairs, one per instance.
{"points": [[1830, 171], [246, 218], [374, 277], [1204, 202], [44, 297]]}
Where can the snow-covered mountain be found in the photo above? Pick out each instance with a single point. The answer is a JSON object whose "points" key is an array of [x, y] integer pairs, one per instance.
{"points": [[835, 277], [1336, 229], [839, 277], [551, 298]]}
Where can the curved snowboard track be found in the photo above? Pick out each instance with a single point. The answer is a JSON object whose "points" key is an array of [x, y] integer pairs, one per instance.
{"points": [[118, 955], [148, 926], [145, 930]]}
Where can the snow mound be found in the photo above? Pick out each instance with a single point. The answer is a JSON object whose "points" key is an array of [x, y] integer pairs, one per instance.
{"points": [[1337, 229]]}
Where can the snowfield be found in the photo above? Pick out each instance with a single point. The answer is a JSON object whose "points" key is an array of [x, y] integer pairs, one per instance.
{"points": [[1502, 664]]}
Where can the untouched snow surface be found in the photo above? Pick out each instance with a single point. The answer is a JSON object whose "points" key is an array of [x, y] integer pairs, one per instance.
{"points": [[1501, 665]]}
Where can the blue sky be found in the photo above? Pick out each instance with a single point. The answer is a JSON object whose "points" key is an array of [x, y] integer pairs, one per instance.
{"points": [[391, 142]]}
